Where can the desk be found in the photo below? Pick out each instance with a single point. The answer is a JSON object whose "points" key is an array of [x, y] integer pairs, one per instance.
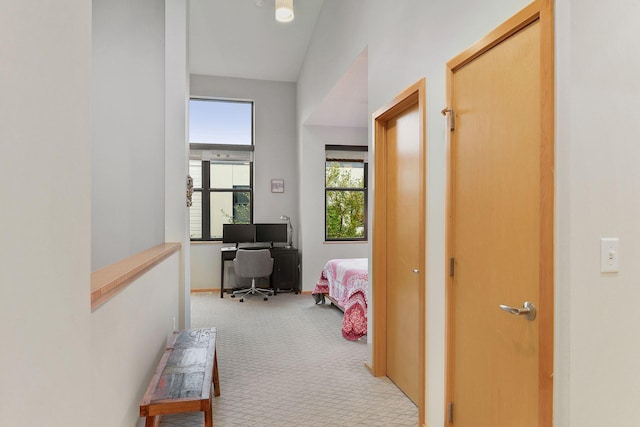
{"points": [[285, 268]]}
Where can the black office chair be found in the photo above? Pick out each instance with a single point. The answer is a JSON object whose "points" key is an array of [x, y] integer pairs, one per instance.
{"points": [[253, 264]]}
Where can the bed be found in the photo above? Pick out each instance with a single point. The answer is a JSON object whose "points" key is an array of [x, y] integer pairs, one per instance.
{"points": [[344, 282]]}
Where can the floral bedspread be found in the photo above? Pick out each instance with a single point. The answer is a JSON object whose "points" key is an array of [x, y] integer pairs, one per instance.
{"points": [[346, 281]]}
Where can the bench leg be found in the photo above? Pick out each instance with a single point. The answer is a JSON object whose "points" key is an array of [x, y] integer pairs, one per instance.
{"points": [[216, 380], [152, 421], [208, 417]]}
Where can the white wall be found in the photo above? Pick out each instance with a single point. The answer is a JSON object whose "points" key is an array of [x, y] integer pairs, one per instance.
{"points": [[141, 132], [597, 178], [176, 146], [45, 82], [61, 364], [414, 39], [275, 157], [128, 112], [128, 336], [562, 295], [205, 265], [314, 249], [598, 188], [138, 173]]}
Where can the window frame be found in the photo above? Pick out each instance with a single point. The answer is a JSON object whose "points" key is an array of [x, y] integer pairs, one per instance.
{"points": [[206, 190], [236, 147], [364, 190]]}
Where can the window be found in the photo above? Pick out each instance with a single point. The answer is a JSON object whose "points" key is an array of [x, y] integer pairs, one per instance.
{"points": [[221, 165], [346, 193], [220, 122]]}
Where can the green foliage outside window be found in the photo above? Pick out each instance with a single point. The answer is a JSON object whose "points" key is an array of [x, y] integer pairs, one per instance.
{"points": [[241, 209], [345, 200]]}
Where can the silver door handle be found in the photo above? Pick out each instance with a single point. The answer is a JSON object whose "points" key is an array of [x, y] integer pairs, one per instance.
{"points": [[528, 310]]}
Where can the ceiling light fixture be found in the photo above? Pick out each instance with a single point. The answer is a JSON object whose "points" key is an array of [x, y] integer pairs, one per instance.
{"points": [[284, 10]]}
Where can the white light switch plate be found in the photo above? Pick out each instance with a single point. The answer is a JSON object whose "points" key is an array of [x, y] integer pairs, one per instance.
{"points": [[609, 255]]}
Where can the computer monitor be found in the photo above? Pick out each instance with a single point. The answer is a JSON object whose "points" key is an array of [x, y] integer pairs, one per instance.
{"points": [[274, 233], [238, 233]]}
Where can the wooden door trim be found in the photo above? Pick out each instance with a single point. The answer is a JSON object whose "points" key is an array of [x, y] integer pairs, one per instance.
{"points": [[542, 11], [517, 22], [413, 95]]}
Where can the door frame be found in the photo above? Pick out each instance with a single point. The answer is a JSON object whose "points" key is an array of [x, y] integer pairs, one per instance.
{"points": [[542, 11], [413, 95]]}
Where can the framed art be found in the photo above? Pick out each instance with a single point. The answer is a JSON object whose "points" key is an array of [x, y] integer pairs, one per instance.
{"points": [[277, 185]]}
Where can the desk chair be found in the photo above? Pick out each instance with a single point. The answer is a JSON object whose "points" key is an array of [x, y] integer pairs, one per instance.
{"points": [[254, 264]]}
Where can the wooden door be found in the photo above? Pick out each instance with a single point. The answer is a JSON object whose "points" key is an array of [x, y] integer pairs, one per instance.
{"points": [[500, 237], [398, 264], [403, 281]]}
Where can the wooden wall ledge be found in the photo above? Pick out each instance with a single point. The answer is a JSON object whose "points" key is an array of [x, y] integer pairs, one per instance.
{"points": [[108, 281]]}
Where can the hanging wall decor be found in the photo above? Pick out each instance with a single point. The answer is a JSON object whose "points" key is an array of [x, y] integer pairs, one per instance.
{"points": [[189, 190]]}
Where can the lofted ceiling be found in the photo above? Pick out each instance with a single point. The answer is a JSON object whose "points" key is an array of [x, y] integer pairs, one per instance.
{"points": [[347, 104], [241, 38]]}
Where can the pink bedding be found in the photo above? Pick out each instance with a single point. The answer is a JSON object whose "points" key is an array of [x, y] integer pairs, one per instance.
{"points": [[346, 281]]}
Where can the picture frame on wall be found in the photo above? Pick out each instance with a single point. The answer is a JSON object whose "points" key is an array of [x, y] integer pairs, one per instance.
{"points": [[277, 185]]}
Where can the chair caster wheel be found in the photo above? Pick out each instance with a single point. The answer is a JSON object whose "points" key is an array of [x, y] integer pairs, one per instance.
{"points": [[241, 299], [233, 296], [265, 298]]}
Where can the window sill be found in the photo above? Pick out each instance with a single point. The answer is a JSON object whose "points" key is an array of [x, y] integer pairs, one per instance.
{"points": [[110, 280], [345, 242]]}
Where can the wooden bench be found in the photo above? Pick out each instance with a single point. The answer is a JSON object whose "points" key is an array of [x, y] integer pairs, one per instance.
{"points": [[184, 378]]}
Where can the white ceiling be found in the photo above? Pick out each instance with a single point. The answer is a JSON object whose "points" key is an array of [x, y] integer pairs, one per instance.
{"points": [[238, 38], [241, 38], [347, 104]]}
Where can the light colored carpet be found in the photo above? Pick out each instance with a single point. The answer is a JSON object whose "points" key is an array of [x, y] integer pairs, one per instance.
{"points": [[284, 362]]}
